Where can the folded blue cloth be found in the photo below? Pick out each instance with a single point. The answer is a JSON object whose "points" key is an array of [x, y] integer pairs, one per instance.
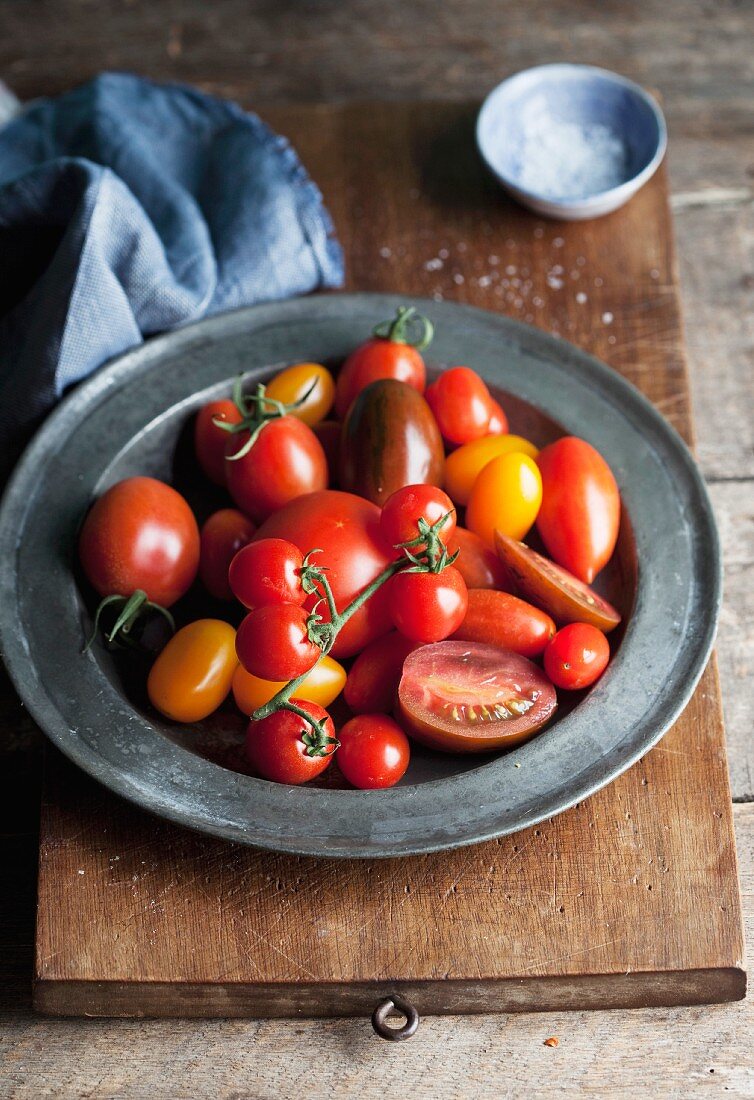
{"points": [[127, 208]]}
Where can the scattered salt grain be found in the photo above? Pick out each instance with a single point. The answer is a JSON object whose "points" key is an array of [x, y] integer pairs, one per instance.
{"points": [[607, 318], [598, 281], [458, 279], [434, 265], [654, 273], [581, 297], [539, 232], [511, 269], [493, 261], [554, 282], [581, 260], [558, 242], [386, 253], [443, 253]]}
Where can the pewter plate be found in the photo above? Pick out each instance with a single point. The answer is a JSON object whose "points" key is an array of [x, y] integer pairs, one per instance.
{"points": [[133, 417]]}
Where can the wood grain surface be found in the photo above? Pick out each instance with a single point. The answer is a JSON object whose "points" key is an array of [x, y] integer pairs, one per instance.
{"points": [[699, 56], [630, 899]]}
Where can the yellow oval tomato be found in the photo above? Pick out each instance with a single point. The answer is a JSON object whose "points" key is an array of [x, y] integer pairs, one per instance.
{"points": [[295, 383], [464, 465], [506, 497], [323, 684], [193, 674]]}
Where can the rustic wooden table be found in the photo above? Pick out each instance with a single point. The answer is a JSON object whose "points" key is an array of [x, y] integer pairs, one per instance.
{"points": [[699, 56]]}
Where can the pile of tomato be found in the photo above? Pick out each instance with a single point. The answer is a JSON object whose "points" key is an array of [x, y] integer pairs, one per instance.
{"points": [[369, 530]]}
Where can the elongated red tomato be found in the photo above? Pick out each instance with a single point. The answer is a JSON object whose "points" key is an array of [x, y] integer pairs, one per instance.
{"points": [[460, 401], [210, 441], [470, 697], [479, 566], [374, 752], [141, 533], [192, 676], [372, 683], [428, 607], [580, 512], [285, 462], [576, 656], [498, 424], [276, 749], [346, 529], [222, 536], [506, 621]]}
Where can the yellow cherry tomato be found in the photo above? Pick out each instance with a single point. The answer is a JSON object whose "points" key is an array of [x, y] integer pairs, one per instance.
{"points": [[193, 674], [464, 465], [293, 383], [506, 497], [323, 684]]}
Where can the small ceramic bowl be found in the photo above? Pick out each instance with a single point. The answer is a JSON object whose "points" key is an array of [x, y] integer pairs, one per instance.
{"points": [[571, 141]]}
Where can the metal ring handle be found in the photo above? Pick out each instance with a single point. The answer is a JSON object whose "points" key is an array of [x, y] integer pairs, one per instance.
{"points": [[397, 1004]]}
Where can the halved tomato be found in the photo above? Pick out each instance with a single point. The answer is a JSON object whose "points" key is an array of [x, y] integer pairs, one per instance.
{"points": [[470, 697], [553, 588]]}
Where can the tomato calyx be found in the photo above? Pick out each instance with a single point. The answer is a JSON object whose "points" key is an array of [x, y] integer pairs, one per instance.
{"points": [[133, 609], [433, 555], [397, 330], [316, 739], [256, 409]]}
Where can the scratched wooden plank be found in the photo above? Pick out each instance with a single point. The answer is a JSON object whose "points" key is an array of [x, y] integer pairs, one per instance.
{"points": [[629, 899]]}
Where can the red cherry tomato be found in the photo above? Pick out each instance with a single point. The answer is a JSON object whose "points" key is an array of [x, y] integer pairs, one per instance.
{"points": [[577, 656], [391, 355], [210, 441], [498, 424], [222, 536], [141, 533], [267, 572], [347, 530], [272, 642], [285, 462], [276, 750], [461, 403], [402, 511], [469, 697], [374, 752], [580, 512], [477, 564], [372, 683], [503, 620], [428, 607]]}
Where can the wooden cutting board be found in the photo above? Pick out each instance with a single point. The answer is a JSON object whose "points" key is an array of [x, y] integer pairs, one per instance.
{"points": [[629, 899]]}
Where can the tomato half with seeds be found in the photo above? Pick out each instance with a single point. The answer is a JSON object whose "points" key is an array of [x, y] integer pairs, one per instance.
{"points": [[309, 387], [479, 566], [506, 621], [222, 536], [373, 678], [374, 752], [286, 461], [577, 656], [276, 750], [553, 588], [427, 607], [322, 685], [193, 674], [210, 441], [469, 697]]}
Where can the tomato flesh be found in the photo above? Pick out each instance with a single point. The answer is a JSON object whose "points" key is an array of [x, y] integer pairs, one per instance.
{"points": [[553, 588], [470, 697]]}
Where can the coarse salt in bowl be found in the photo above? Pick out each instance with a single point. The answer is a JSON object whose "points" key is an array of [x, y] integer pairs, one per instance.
{"points": [[571, 141]]}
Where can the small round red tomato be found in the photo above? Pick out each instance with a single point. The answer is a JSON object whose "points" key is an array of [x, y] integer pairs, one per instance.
{"points": [[374, 752], [553, 588], [222, 536], [308, 387], [498, 424], [277, 750], [506, 497], [580, 513], [399, 522], [577, 656], [479, 566], [267, 572], [470, 697], [500, 619], [193, 674], [273, 644], [210, 441], [286, 461], [389, 354], [373, 678], [428, 607], [346, 529], [461, 403], [142, 534]]}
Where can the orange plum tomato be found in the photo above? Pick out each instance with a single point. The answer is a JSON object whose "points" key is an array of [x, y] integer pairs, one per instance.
{"points": [[286, 461], [322, 685], [460, 402], [506, 621], [470, 697], [192, 675], [267, 572], [580, 514], [506, 497], [276, 749], [428, 607], [273, 643], [222, 536], [309, 387], [140, 534], [464, 465], [210, 441], [577, 656], [479, 566], [374, 752]]}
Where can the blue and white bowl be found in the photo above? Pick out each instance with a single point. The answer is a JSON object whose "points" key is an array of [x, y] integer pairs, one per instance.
{"points": [[571, 141]]}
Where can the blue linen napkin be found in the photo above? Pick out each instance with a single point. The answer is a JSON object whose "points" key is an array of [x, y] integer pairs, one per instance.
{"points": [[127, 208]]}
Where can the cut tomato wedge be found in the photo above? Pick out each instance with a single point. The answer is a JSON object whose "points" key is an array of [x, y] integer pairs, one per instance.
{"points": [[553, 588], [470, 697]]}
